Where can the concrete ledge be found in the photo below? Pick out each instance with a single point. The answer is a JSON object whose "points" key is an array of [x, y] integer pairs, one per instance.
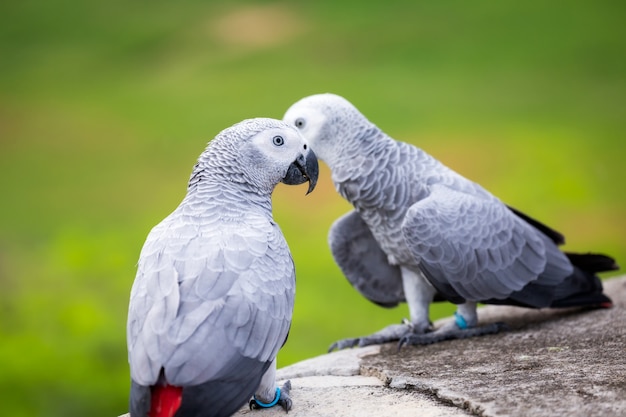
{"points": [[551, 363]]}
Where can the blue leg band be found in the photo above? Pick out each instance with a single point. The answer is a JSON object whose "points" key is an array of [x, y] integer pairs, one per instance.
{"points": [[268, 405], [460, 321]]}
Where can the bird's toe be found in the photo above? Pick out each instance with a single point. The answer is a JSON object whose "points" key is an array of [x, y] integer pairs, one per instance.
{"points": [[344, 344], [450, 333], [285, 400]]}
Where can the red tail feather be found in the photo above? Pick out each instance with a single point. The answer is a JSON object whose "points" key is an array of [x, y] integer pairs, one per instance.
{"points": [[165, 400]]}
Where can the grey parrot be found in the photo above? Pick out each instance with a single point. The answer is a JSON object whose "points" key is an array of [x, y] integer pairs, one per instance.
{"points": [[420, 232], [212, 301]]}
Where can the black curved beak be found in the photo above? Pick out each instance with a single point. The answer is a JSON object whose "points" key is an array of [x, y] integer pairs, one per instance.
{"points": [[304, 168]]}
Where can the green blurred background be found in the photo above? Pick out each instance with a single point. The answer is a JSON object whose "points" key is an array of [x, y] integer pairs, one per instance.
{"points": [[105, 106]]}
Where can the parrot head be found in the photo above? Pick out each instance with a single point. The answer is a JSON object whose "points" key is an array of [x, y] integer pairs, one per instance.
{"points": [[328, 122], [266, 152]]}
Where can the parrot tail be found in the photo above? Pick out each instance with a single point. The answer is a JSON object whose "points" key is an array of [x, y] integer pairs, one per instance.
{"points": [[583, 287], [592, 262], [165, 399]]}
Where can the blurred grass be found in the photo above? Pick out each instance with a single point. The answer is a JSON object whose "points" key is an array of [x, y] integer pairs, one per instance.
{"points": [[104, 107]]}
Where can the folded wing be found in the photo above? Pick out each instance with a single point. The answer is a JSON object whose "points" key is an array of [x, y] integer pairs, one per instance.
{"points": [[475, 248]]}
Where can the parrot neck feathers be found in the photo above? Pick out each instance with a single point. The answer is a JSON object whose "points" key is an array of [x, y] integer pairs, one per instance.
{"points": [[227, 191]]}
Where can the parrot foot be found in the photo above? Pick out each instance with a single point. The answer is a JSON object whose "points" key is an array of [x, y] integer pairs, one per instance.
{"points": [[282, 398], [390, 333], [450, 334], [285, 400]]}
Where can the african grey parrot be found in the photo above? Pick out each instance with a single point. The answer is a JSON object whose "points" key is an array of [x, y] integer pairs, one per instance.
{"points": [[212, 301], [420, 232]]}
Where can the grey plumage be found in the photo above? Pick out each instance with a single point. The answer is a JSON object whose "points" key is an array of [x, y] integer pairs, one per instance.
{"points": [[420, 231], [212, 301]]}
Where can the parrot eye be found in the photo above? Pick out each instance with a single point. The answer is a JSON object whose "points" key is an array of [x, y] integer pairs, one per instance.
{"points": [[278, 140], [300, 123]]}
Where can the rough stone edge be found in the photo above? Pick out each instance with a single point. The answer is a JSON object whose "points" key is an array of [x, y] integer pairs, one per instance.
{"points": [[340, 363]]}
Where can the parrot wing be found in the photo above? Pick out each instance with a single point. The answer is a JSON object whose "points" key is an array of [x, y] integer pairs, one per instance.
{"points": [[475, 248], [363, 262]]}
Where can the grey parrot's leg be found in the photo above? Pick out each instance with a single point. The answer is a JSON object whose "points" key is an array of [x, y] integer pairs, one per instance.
{"points": [[268, 395], [281, 397], [419, 294], [463, 326]]}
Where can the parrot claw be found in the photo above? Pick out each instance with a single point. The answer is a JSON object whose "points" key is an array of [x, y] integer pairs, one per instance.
{"points": [[345, 344], [450, 334], [284, 400], [361, 342], [253, 404]]}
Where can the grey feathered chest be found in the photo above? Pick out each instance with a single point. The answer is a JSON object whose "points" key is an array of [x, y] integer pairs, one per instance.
{"points": [[217, 274]]}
